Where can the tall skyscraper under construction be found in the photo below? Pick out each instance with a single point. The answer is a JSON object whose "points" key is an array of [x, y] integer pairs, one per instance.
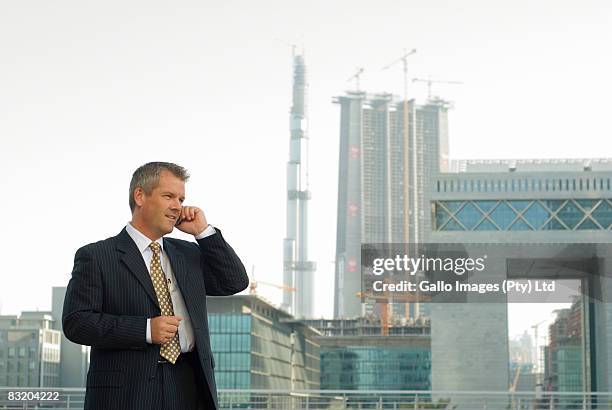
{"points": [[389, 151], [298, 271]]}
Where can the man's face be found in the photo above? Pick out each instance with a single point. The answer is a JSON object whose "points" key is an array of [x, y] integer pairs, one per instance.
{"points": [[161, 209]]}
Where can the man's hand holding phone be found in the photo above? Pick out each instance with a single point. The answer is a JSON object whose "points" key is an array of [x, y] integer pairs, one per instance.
{"points": [[192, 220]]}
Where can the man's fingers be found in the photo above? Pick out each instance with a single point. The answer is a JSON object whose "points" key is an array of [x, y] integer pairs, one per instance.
{"points": [[170, 319], [188, 213], [173, 320], [166, 334], [171, 325], [168, 328], [185, 213]]}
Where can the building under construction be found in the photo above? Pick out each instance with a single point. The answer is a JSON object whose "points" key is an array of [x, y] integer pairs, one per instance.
{"points": [[389, 151], [298, 271]]}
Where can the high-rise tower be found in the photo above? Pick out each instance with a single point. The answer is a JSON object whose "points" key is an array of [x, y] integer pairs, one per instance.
{"points": [[384, 167], [298, 271]]}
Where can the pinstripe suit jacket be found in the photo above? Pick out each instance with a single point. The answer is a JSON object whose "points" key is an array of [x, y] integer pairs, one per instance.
{"points": [[110, 296]]}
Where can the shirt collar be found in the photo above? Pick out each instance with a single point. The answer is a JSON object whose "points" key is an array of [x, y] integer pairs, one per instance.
{"points": [[142, 242]]}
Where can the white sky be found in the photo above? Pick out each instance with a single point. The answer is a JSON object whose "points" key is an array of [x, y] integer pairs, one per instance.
{"points": [[91, 90]]}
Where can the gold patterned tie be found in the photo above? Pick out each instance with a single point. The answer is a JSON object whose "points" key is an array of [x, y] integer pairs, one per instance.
{"points": [[172, 349]]}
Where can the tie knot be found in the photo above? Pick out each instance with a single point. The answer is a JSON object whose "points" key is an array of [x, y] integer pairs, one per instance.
{"points": [[155, 247]]}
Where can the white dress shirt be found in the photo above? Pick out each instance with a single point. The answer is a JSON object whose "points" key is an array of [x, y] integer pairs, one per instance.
{"points": [[185, 329]]}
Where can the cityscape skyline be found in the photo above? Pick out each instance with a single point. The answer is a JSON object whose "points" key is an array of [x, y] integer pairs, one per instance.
{"points": [[57, 119], [35, 353]]}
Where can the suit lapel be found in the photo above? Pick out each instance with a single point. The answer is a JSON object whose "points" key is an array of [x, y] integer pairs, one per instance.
{"points": [[136, 265], [177, 261]]}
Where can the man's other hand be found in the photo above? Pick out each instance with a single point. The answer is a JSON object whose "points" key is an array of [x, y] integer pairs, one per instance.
{"points": [[192, 220], [163, 328]]}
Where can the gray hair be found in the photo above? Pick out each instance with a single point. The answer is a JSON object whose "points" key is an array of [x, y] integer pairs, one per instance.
{"points": [[147, 177]]}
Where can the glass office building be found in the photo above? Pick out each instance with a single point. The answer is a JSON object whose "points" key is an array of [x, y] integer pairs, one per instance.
{"points": [[258, 346], [375, 368], [230, 338], [356, 356]]}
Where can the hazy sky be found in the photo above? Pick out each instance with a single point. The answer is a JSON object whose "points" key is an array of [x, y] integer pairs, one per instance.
{"points": [[91, 90]]}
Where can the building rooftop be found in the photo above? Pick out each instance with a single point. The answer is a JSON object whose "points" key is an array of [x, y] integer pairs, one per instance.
{"points": [[27, 320], [531, 165]]}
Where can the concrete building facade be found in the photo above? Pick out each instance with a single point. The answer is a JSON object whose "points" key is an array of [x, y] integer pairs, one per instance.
{"points": [[29, 350], [559, 203], [74, 362]]}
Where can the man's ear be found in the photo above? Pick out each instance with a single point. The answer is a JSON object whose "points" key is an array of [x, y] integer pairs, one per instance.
{"points": [[139, 196]]}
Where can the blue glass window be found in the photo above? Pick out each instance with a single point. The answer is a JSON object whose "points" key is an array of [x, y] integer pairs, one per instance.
{"points": [[519, 205], [452, 225], [570, 215], [551, 214], [603, 214], [536, 215], [587, 224], [553, 204], [486, 225], [452, 206], [503, 215], [441, 216], [520, 225], [554, 225], [469, 216], [375, 368], [486, 206], [587, 204]]}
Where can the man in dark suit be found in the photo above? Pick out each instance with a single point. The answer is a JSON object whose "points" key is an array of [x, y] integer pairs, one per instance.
{"points": [[139, 300]]}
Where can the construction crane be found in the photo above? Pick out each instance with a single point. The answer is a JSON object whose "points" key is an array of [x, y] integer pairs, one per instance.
{"points": [[356, 77], [254, 283], [538, 358], [429, 82], [253, 286], [517, 374], [407, 149], [514, 384], [404, 60]]}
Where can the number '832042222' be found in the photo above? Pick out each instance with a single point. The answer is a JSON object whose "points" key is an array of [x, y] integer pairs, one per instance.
{"points": [[33, 396]]}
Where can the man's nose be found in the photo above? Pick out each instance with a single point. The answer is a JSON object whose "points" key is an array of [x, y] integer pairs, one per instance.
{"points": [[176, 204]]}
